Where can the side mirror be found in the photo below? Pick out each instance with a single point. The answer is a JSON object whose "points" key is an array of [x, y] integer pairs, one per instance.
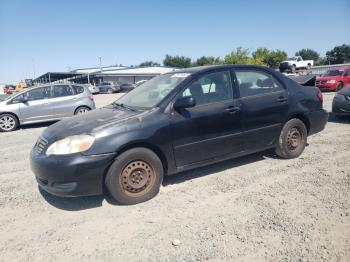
{"points": [[185, 102]]}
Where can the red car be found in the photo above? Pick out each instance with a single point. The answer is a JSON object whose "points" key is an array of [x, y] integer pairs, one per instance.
{"points": [[9, 90], [334, 79]]}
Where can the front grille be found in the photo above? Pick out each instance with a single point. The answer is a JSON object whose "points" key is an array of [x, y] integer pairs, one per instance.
{"points": [[40, 145]]}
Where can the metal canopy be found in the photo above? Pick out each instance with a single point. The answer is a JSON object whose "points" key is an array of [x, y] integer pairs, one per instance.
{"points": [[54, 76]]}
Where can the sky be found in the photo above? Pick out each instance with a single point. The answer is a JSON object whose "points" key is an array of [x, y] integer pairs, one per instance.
{"points": [[38, 36]]}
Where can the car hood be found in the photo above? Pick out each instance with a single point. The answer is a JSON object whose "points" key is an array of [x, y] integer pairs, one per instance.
{"points": [[96, 123]]}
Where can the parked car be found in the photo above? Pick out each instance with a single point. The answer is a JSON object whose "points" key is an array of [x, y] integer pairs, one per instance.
{"points": [[108, 87], [127, 87], [334, 79], [175, 122], [341, 102], [93, 89], [294, 63], [9, 90], [44, 103]]}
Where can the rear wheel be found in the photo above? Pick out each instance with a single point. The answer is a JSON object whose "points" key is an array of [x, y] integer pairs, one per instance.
{"points": [[292, 140], [339, 86], [293, 68], [135, 176], [81, 110], [8, 123]]}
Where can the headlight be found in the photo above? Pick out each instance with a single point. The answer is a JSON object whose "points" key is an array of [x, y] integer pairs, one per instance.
{"points": [[331, 81], [70, 145]]}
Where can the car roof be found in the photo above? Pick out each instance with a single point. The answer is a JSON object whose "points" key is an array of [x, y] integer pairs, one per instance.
{"points": [[201, 69]]}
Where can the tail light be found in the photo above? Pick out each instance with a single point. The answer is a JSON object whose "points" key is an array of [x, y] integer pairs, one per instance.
{"points": [[91, 98], [320, 96]]}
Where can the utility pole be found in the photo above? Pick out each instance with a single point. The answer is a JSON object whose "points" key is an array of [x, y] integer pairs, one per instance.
{"points": [[100, 59]]}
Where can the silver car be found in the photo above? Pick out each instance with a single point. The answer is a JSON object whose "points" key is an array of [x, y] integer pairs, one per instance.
{"points": [[44, 103]]}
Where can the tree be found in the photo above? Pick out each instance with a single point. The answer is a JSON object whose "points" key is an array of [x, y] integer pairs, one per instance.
{"points": [[177, 61], [308, 54], [207, 60], [149, 63], [237, 56], [270, 58], [339, 54]]}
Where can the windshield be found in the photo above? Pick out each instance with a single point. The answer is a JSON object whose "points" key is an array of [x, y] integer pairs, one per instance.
{"points": [[152, 92], [334, 72]]}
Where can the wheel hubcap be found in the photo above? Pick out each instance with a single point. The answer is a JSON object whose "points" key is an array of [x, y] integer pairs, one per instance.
{"points": [[294, 138], [82, 110], [7, 123], [137, 178]]}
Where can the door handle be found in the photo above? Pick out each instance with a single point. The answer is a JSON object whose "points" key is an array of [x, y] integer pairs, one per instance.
{"points": [[281, 99], [232, 109]]}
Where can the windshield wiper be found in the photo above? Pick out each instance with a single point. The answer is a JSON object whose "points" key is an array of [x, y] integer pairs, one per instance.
{"points": [[123, 106]]}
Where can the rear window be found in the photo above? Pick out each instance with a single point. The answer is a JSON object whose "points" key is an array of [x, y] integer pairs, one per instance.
{"points": [[78, 89]]}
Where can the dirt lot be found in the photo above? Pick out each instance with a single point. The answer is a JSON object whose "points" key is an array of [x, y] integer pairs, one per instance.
{"points": [[255, 208]]}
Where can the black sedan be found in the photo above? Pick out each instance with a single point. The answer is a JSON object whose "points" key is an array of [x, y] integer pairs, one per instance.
{"points": [[176, 122], [341, 102]]}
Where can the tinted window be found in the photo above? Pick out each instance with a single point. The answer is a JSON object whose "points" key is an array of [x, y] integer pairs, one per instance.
{"points": [[62, 90], [78, 89], [210, 88], [252, 83]]}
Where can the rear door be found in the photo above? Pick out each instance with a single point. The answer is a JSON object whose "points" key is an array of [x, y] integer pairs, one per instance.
{"points": [[264, 104], [39, 105], [63, 100]]}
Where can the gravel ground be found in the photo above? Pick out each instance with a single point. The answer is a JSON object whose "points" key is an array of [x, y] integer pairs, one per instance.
{"points": [[255, 208]]}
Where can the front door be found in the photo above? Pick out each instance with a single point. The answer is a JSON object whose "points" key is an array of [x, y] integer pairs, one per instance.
{"points": [[264, 104], [38, 106], [211, 128]]}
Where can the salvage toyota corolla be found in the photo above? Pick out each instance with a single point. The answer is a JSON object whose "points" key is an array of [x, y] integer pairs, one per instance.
{"points": [[176, 122]]}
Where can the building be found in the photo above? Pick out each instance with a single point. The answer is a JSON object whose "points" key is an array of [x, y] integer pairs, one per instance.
{"points": [[119, 74]]}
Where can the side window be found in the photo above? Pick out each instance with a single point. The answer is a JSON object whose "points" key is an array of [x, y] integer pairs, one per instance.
{"points": [[62, 90], [252, 83], [210, 88], [39, 93], [78, 89]]}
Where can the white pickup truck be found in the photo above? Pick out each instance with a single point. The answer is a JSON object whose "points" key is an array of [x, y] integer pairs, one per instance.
{"points": [[294, 63]]}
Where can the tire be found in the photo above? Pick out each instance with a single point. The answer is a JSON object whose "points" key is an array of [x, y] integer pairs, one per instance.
{"points": [[339, 86], [125, 179], [8, 122], [292, 139], [293, 68], [81, 110]]}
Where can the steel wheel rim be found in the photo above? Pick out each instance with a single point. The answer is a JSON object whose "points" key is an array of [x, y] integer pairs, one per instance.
{"points": [[7, 123], [294, 138], [137, 178]]}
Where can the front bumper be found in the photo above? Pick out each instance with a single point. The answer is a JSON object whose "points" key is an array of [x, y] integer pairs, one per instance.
{"points": [[325, 86], [318, 120], [71, 175], [340, 105]]}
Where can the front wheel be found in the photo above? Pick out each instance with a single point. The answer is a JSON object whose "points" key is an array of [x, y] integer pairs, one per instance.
{"points": [[339, 86], [135, 176], [8, 123], [292, 140]]}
